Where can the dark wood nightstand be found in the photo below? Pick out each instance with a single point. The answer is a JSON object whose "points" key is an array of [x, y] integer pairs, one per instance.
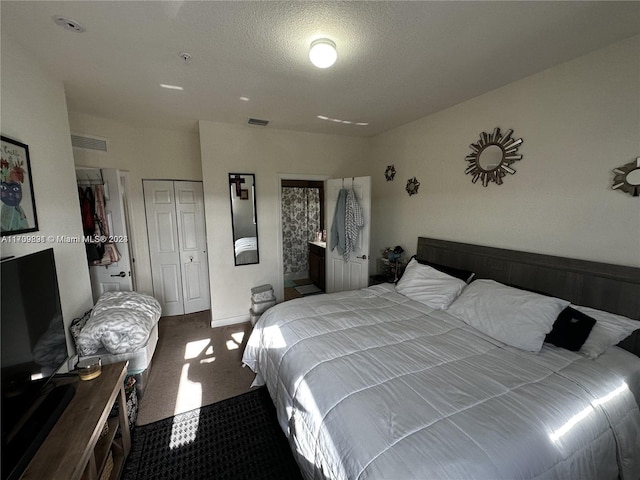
{"points": [[378, 279]]}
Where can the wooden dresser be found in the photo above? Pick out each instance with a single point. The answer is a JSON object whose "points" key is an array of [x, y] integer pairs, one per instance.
{"points": [[73, 450]]}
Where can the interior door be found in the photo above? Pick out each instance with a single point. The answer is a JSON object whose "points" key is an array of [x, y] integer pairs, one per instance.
{"points": [[162, 231], [177, 245], [116, 276], [192, 242], [353, 273]]}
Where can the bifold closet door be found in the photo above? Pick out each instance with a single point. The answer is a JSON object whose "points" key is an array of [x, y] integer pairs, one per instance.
{"points": [[192, 240], [177, 245]]}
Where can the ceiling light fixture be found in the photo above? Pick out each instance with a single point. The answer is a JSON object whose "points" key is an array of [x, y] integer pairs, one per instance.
{"points": [[68, 24], [171, 87], [323, 53]]}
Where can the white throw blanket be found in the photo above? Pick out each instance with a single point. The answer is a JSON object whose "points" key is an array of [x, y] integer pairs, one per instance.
{"points": [[120, 322]]}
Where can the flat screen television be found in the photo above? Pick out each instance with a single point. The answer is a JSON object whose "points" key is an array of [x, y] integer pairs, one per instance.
{"points": [[33, 350]]}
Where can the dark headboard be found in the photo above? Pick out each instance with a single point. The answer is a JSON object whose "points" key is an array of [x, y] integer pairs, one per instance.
{"points": [[614, 288]]}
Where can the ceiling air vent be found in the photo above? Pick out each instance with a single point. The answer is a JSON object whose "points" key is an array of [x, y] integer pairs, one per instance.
{"points": [[257, 121], [89, 143]]}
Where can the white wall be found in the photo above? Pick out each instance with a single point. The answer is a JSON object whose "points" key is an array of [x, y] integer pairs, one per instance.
{"points": [[34, 112], [578, 120], [266, 152], [146, 153]]}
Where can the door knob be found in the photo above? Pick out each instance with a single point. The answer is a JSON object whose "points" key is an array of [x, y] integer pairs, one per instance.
{"points": [[121, 274], [191, 259], [363, 257]]}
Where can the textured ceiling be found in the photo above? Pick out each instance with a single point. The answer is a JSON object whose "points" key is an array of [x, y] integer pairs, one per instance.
{"points": [[397, 61]]}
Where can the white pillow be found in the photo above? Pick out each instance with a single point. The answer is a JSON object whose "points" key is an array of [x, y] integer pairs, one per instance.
{"points": [[516, 317], [610, 329], [427, 285]]}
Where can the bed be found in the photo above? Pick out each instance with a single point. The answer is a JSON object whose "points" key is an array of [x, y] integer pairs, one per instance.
{"points": [[246, 250], [376, 384]]}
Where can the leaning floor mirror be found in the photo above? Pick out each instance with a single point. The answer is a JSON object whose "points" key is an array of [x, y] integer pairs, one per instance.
{"points": [[244, 218]]}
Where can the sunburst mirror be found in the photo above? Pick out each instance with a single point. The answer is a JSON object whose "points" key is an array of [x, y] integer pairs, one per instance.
{"points": [[627, 178], [492, 157], [390, 173], [412, 186]]}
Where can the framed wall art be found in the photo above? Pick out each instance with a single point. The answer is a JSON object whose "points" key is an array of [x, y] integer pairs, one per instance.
{"points": [[18, 205]]}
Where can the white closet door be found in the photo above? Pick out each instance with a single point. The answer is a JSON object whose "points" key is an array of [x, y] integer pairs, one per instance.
{"points": [[193, 246], [162, 230], [177, 245]]}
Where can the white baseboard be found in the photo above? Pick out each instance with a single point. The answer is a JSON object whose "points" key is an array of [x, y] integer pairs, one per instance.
{"points": [[223, 322]]}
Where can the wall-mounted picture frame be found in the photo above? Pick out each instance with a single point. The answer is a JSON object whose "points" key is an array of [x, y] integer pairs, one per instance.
{"points": [[18, 204]]}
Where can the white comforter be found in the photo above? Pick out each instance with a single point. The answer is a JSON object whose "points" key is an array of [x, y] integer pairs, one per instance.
{"points": [[120, 322], [369, 384]]}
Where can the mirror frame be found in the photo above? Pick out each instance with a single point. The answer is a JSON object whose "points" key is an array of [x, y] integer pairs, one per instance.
{"points": [[412, 186], [232, 177], [509, 147], [621, 180]]}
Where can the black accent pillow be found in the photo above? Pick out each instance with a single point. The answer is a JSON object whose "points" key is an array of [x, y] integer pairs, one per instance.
{"points": [[464, 275], [570, 329]]}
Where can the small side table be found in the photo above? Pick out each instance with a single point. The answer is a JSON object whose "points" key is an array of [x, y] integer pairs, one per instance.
{"points": [[392, 271], [377, 280]]}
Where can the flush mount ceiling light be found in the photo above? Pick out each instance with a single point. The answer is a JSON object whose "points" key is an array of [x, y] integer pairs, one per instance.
{"points": [[323, 53], [68, 24]]}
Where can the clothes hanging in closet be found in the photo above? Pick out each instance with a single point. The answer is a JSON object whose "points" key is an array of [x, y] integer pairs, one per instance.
{"points": [[99, 250], [100, 215], [87, 210]]}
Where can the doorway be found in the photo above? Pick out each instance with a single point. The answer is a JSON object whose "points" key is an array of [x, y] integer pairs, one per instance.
{"points": [[177, 245], [105, 219], [350, 271], [302, 224]]}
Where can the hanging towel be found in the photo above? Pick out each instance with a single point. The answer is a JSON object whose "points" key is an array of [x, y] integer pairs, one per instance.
{"points": [[354, 222], [337, 234]]}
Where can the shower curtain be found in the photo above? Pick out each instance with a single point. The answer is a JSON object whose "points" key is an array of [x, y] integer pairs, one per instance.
{"points": [[300, 222]]}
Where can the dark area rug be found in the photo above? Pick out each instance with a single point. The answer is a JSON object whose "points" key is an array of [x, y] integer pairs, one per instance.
{"points": [[238, 438]]}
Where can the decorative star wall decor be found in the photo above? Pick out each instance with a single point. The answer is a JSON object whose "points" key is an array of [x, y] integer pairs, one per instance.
{"points": [[390, 173], [412, 186], [627, 178], [492, 157]]}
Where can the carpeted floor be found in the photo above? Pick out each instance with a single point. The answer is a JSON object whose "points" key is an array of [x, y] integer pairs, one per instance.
{"points": [[238, 438], [194, 365]]}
